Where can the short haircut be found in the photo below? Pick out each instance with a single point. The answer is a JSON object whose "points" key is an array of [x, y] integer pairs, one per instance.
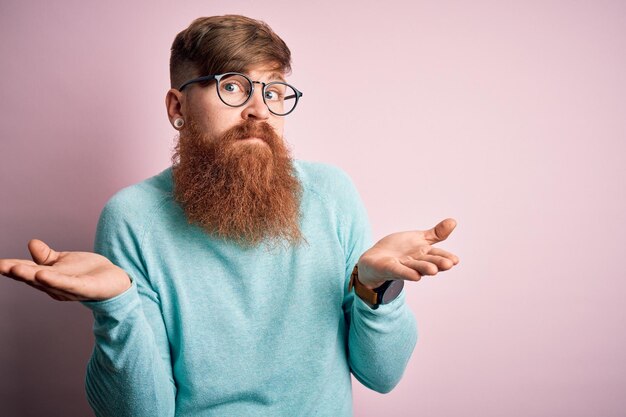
{"points": [[230, 43]]}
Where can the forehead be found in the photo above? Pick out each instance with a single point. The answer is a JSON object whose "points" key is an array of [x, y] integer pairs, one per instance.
{"points": [[265, 73]]}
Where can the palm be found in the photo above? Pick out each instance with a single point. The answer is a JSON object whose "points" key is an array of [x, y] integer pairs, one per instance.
{"points": [[407, 255], [67, 275]]}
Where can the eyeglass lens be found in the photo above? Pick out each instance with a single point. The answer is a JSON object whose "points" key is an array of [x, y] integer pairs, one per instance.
{"points": [[234, 90]]}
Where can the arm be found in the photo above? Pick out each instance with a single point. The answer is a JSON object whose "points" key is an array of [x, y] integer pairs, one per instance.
{"points": [[381, 340], [130, 371]]}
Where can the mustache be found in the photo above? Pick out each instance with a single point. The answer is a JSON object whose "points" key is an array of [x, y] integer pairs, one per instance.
{"points": [[248, 194], [249, 129]]}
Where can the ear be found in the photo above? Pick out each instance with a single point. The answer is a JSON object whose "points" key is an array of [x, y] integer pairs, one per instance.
{"points": [[174, 101]]}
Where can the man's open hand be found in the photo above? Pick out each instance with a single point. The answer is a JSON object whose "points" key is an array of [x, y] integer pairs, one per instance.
{"points": [[407, 256], [67, 276]]}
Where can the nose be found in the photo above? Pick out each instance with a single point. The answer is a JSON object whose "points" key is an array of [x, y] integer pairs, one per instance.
{"points": [[255, 107]]}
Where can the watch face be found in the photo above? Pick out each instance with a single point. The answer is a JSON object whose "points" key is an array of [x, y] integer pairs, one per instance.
{"points": [[392, 291]]}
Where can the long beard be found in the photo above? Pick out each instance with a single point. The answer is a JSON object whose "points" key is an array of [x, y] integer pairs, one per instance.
{"points": [[237, 190]]}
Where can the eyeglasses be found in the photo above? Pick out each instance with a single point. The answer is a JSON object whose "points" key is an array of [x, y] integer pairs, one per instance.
{"points": [[235, 90]]}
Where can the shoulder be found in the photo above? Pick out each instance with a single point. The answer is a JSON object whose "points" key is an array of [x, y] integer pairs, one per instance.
{"points": [[135, 203], [325, 179]]}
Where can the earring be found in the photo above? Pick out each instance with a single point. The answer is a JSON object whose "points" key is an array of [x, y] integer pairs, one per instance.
{"points": [[178, 123]]}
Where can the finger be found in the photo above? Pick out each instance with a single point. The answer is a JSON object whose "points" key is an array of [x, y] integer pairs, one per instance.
{"points": [[28, 273], [56, 297], [74, 287], [442, 263], [56, 294], [400, 271], [7, 264], [445, 254], [37, 276], [441, 231], [42, 253], [422, 267], [23, 272]]}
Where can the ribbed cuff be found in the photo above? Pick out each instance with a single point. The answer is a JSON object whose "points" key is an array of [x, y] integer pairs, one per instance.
{"points": [[383, 309], [121, 302]]}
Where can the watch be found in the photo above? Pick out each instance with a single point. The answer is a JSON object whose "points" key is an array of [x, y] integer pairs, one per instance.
{"points": [[380, 295]]}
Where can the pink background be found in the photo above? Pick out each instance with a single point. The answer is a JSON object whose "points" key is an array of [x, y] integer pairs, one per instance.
{"points": [[508, 116]]}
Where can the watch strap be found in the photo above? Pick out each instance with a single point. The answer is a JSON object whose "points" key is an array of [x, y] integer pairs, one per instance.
{"points": [[377, 296], [366, 294]]}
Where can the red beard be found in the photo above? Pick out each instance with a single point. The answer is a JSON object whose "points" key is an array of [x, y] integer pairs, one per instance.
{"points": [[245, 192]]}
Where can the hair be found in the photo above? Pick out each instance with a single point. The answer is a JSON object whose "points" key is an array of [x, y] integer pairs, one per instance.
{"points": [[218, 44]]}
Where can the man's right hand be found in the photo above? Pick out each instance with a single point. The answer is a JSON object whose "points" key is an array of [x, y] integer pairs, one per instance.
{"points": [[67, 276]]}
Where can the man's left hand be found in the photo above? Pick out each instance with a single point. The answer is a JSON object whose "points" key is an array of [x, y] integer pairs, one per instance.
{"points": [[407, 255]]}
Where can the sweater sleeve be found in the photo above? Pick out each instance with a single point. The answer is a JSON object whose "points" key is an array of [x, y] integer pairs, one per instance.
{"points": [[130, 371], [380, 341]]}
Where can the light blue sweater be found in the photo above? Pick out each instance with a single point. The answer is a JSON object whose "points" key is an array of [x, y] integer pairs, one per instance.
{"points": [[211, 329]]}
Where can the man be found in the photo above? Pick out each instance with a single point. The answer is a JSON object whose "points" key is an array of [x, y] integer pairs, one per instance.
{"points": [[225, 285]]}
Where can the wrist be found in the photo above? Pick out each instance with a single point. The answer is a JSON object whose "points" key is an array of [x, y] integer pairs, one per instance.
{"points": [[381, 294], [362, 275]]}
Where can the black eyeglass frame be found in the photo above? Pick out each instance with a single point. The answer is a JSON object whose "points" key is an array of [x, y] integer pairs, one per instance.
{"points": [[218, 77]]}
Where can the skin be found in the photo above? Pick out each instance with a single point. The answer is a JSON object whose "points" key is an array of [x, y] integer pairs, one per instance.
{"points": [[213, 116], [71, 276], [407, 255]]}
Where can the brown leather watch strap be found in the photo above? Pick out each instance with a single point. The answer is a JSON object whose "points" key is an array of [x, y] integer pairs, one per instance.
{"points": [[367, 295]]}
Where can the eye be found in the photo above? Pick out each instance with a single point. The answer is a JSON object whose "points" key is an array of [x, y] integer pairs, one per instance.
{"points": [[232, 87], [273, 95]]}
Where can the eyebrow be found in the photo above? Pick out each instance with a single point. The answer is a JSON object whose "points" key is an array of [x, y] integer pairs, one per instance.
{"points": [[277, 76]]}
